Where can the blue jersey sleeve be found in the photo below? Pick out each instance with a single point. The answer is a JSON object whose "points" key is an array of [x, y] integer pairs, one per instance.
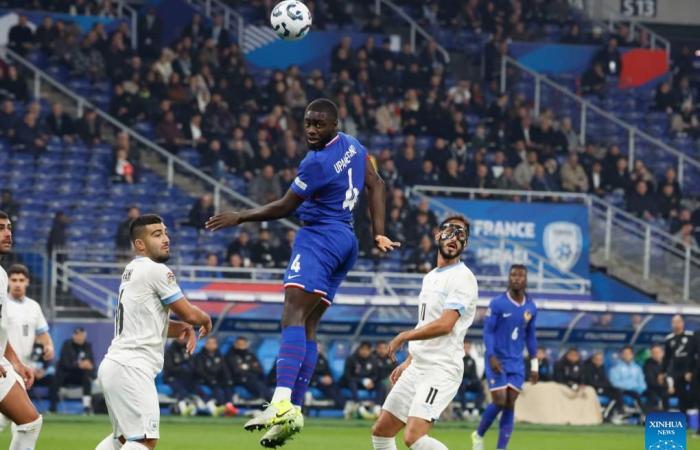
{"points": [[490, 321], [309, 178], [531, 337]]}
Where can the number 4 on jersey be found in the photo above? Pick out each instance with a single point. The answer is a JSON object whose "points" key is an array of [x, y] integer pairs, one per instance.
{"points": [[351, 194], [296, 264]]}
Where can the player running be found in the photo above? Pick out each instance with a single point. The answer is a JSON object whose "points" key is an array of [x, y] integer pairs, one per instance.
{"points": [[426, 383], [508, 327], [324, 193], [147, 295], [14, 401]]}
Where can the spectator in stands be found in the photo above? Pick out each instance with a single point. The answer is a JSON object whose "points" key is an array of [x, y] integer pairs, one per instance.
{"points": [[123, 168], [201, 211], [123, 236], [8, 119], [169, 133], [526, 170], [571, 137], [671, 178], [408, 165], [593, 81], [58, 234], [609, 58], [283, 252], [262, 253], [619, 178], [507, 180], [211, 372], [215, 159], [323, 379], [266, 186], [76, 366], [46, 35], [685, 122], [568, 369], [59, 123], [594, 375], [423, 257], [596, 180], [573, 35], [627, 376], [89, 128], [668, 204], [361, 373], [657, 386], [470, 383], [573, 177], [384, 367], [241, 246], [21, 37], [246, 369], [178, 372], [641, 202], [149, 34], [544, 366], [664, 100], [218, 33], [14, 85], [687, 237], [9, 205], [29, 136]]}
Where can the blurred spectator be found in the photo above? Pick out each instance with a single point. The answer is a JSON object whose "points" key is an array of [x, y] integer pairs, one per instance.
{"points": [[60, 123], [361, 373], [470, 382], [596, 180], [29, 137], [169, 133], [573, 35], [178, 372], [568, 369], [570, 136], [240, 246], [423, 258], [545, 367], [201, 211], [149, 33], [593, 80], [15, 85], [664, 100], [262, 253], [245, 368], [211, 372], [573, 177], [641, 202], [680, 353], [215, 159], [594, 375], [657, 385], [668, 204], [384, 365], [211, 263], [627, 376], [88, 128], [218, 33], [123, 168], [619, 178], [609, 58], [21, 37], [526, 170], [283, 252], [8, 119], [323, 379], [123, 235], [9, 205], [685, 122], [76, 366], [46, 35], [507, 180], [265, 187], [58, 233]]}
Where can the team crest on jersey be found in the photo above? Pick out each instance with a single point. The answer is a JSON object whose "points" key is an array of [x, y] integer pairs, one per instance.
{"points": [[171, 278], [153, 425], [563, 243], [527, 316]]}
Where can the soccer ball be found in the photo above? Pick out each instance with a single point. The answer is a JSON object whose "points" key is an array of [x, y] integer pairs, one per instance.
{"points": [[291, 20]]}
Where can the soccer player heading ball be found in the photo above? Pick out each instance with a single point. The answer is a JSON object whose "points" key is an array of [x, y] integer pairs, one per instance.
{"points": [[426, 383], [329, 181], [509, 326]]}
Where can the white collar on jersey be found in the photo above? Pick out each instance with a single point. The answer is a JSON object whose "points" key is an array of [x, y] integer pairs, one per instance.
{"points": [[449, 266]]}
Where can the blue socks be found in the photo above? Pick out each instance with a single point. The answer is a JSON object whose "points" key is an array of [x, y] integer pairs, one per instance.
{"points": [[487, 419], [291, 356], [505, 428], [305, 374]]}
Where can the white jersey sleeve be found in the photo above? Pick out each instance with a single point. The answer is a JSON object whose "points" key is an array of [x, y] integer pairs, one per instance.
{"points": [[25, 322], [3, 312], [162, 281]]}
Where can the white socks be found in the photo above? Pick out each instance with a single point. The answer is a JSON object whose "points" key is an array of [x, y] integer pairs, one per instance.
{"points": [[87, 401], [281, 393], [428, 443], [131, 445], [109, 443], [25, 435], [383, 443]]}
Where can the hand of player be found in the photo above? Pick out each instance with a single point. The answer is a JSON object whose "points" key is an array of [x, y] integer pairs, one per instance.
{"points": [[189, 334], [223, 220], [27, 375], [495, 364], [206, 328], [48, 353], [396, 374], [395, 345], [534, 377], [385, 244]]}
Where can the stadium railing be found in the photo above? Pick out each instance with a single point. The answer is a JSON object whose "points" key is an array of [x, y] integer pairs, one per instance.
{"points": [[638, 143], [414, 28], [175, 166], [233, 21], [659, 257]]}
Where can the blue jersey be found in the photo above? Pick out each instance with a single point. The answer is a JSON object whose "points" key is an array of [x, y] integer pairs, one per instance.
{"points": [[508, 327], [330, 181]]}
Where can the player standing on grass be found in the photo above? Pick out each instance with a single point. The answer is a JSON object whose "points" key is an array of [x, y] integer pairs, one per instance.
{"points": [[147, 295], [323, 195], [509, 326], [14, 400], [426, 383]]}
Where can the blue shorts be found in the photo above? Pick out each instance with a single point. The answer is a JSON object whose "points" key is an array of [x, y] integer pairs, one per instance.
{"points": [[321, 259], [505, 379]]}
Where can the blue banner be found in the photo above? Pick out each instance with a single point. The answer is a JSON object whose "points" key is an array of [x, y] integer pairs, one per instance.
{"points": [[557, 232], [665, 431]]}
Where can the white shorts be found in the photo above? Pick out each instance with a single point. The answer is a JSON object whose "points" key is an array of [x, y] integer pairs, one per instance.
{"points": [[132, 401], [8, 381], [421, 393]]}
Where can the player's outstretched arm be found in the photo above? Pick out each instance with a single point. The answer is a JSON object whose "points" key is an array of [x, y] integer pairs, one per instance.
{"points": [[278, 209], [377, 208], [439, 327], [23, 371], [189, 313], [531, 342]]}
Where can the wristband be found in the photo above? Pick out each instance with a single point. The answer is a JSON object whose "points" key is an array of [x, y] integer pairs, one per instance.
{"points": [[534, 365]]}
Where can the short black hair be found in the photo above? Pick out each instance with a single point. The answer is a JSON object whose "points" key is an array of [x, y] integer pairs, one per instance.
{"points": [[242, 338], [4, 215], [324, 105], [138, 224], [627, 347], [516, 267], [365, 344], [16, 269], [78, 330]]}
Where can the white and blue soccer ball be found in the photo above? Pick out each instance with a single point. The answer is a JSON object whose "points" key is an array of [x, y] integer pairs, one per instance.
{"points": [[291, 20]]}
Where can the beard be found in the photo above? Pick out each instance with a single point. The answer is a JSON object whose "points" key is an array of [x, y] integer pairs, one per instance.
{"points": [[163, 258], [448, 253]]}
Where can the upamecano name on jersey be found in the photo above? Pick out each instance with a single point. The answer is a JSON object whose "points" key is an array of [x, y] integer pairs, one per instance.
{"points": [[344, 162]]}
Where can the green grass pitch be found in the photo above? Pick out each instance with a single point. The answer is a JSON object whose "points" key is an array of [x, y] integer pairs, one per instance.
{"points": [[83, 433]]}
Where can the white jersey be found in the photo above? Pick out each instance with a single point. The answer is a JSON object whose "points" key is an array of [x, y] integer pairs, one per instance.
{"points": [[141, 317], [25, 322], [4, 283], [450, 287]]}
